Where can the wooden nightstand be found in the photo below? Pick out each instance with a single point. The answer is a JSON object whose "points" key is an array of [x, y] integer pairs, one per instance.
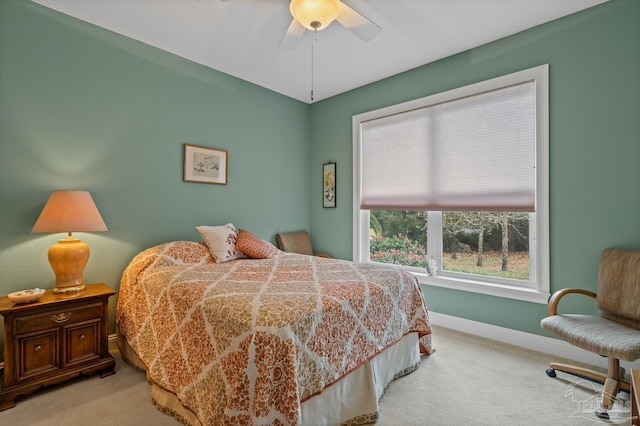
{"points": [[53, 340]]}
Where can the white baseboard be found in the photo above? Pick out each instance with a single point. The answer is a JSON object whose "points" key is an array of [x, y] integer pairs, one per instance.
{"points": [[529, 341], [113, 342]]}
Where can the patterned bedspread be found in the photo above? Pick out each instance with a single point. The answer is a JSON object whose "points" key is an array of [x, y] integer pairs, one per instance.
{"points": [[246, 341]]}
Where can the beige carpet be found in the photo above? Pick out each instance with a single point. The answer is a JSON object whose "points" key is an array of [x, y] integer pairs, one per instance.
{"points": [[468, 381]]}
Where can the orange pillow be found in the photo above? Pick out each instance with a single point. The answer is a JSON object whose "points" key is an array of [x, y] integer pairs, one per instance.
{"points": [[253, 246]]}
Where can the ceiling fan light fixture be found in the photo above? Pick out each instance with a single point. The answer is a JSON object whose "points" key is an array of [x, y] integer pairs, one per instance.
{"points": [[315, 14]]}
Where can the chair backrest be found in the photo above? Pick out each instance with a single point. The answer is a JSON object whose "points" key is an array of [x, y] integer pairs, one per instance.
{"points": [[295, 242], [618, 295]]}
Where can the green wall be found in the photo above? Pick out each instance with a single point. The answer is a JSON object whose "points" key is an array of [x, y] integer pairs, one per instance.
{"points": [[594, 138], [83, 108]]}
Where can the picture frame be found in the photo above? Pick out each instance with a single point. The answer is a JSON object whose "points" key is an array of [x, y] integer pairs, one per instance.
{"points": [[329, 185], [205, 165]]}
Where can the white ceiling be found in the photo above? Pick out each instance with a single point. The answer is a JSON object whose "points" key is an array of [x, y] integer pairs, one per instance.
{"points": [[241, 37]]}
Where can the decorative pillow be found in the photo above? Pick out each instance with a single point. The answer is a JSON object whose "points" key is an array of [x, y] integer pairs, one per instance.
{"points": [[253, 246], [221, 241]]}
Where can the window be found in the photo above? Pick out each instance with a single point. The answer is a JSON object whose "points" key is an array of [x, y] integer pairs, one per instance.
{"points": [[453, 178]]}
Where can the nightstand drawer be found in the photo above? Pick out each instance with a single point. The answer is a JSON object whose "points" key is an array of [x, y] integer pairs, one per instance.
{"points": [[37, 354], [57, 317], [82, 343]]}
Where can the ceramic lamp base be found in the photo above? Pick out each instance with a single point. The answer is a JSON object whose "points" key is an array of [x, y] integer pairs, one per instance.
{"points": [[67, 258]]}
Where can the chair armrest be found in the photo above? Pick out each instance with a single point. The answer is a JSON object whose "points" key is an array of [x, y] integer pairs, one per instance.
{"points": [[555, 297]]}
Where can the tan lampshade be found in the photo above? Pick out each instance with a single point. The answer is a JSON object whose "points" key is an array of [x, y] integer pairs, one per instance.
{"points": [[69, 211]]}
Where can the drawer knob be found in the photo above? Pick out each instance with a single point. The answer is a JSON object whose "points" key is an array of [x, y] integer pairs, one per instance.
{"points": [[61, 317], [38, 348], [82, 337]]}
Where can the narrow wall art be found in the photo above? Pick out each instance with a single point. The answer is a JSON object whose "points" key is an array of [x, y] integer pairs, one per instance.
{"points": [[329, 185]]}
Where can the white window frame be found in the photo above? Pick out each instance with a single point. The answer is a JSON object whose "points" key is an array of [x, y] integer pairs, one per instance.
{"points": [[538, 289]]}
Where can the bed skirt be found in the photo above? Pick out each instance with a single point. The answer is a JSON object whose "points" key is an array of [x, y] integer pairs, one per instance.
{"points": [[350, 401]]}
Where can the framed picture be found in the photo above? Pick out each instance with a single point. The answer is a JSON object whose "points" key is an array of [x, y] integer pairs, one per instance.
{"points": [[205, 165], [329, 185]]}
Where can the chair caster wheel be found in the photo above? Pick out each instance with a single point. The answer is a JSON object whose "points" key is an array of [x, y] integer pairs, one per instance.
{"points": [[551, 372], [601, 413]]}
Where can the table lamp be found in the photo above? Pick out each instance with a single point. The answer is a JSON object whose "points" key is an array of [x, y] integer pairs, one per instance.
{"points": [[69, 211]]}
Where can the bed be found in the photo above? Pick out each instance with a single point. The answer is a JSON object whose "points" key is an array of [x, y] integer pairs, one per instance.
{"points": [[284, 339]]}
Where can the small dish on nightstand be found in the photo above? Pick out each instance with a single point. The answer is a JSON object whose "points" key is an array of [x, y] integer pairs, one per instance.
{"points": [[27, 296]]}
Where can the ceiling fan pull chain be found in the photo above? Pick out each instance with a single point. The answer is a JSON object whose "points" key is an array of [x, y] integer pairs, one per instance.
{"points": [[313, 41]]}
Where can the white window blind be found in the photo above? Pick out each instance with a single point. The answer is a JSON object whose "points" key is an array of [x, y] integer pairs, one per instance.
{"points": [[472, 153]]}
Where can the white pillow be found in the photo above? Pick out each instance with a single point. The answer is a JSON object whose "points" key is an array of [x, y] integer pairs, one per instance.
{"points": [[222, 242]]}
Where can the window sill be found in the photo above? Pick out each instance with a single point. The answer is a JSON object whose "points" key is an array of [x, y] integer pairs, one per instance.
{"points": [[498, 290]]}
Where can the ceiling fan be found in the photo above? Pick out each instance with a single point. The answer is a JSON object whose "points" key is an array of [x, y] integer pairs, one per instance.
{"points": [[316, 15]]}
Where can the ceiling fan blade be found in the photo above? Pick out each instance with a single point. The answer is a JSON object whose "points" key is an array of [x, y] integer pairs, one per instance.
{"points": [[293, 35], [364, 28]]}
